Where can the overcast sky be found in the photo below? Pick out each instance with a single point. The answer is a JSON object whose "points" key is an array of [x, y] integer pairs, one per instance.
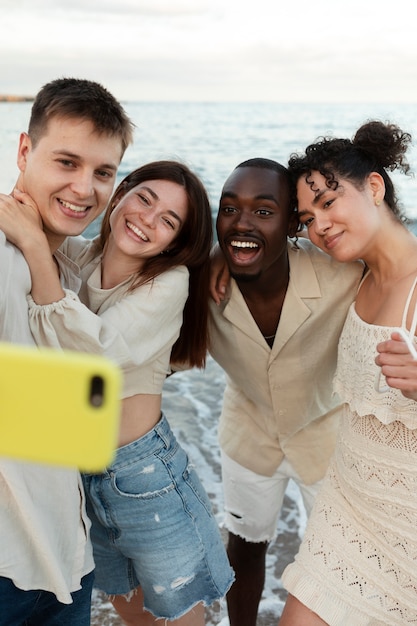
{"points": [[221, 50]]}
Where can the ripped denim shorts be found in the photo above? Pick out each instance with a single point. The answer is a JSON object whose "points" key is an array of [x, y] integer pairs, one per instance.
{"points": [[152, 526]]}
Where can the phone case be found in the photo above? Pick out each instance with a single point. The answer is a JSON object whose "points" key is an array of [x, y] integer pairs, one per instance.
{"points": [[58, 407]]}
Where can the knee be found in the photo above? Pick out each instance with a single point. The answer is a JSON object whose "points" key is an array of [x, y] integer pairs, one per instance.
{"points": [[238, 547]]}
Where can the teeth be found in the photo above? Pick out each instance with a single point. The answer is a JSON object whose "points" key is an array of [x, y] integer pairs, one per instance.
{"points": [[244, 244], [136, 230], [73, 207]]}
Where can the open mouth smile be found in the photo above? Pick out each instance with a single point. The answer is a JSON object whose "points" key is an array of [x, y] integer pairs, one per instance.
{"points": [[244, 244], [75, 208], [137, 231], [243, 251]]}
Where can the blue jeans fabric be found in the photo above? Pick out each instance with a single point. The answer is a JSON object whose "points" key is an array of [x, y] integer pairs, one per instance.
{"points": [[41, 608], [152, 526]]}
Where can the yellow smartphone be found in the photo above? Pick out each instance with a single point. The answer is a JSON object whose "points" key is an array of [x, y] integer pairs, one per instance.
{"points": [[58, 407]]}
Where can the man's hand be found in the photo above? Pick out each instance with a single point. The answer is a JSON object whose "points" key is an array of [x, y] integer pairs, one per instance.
{"points": [[219, 274], [398, 365]]}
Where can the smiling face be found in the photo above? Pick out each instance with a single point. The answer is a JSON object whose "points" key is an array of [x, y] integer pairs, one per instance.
{"points": [[340, 221], [147, 220], [253, 221], [69, 173]]}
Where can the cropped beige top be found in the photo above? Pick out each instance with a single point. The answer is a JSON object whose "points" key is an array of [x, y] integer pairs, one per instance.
{"points": [[135, 329]]}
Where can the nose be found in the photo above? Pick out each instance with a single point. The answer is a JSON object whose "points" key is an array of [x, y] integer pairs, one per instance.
{"points": [[243, 222], [322, 223], [148, 216], [83, 184]]}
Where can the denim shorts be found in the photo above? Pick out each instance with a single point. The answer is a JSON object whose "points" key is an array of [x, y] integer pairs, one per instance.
{"points": [[152, 526]]}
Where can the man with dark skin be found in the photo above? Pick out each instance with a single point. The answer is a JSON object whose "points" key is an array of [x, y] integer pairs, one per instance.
{"points": [[275, 332]]}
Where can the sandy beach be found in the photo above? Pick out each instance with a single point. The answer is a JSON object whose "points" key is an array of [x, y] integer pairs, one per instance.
{"points": [[192, 403]]}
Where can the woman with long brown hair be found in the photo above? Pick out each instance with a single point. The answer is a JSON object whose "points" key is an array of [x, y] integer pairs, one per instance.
{"points": [[158, 551]]}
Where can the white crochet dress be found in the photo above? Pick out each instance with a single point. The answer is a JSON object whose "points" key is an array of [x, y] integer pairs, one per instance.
{"points": [[357, 564]]}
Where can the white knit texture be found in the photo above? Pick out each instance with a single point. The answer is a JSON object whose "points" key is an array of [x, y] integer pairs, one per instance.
{"points": [[358, 561]]}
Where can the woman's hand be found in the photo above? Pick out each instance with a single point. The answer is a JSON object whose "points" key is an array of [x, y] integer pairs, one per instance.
{"points": [[19, 219], [219, 274], [21, 222], [398, 365]]}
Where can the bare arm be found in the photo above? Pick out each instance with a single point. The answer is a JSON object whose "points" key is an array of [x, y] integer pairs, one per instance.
{"points": [[219, 274]]}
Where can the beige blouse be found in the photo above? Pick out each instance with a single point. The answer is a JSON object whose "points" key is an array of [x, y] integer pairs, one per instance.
{"points": [[135, 329]]}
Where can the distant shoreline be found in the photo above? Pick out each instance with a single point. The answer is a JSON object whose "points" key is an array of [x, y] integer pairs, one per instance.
{"points": [[13, 98]]}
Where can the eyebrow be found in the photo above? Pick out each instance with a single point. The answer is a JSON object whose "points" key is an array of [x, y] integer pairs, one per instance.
{"points": [[261, 196], [77, 157], [319, 195], [170, 211], [317, 198], [228, 194]]}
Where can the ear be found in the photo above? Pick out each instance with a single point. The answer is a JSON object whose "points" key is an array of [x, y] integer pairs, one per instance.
{"points": [[377, 186], [25, 146], [122, 191], [292, 225]]}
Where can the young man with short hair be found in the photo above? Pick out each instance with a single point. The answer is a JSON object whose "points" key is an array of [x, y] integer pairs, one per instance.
{"points": [[68, 160]]}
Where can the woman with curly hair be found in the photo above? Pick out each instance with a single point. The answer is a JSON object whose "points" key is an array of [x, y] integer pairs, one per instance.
{"points": [[357, 563]]}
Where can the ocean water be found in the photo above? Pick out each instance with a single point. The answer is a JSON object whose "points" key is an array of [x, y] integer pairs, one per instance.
{"points": [[212, 139]]}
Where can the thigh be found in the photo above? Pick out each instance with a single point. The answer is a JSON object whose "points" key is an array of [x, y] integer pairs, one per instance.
{"points": [[41, 608], [114, 573], [252, 502], [169, 534], [50, 612], [309, 493], [297, 613], [16, 604], [161, 516]]}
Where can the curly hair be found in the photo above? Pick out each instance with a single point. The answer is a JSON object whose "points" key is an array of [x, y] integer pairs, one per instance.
{"points": [[376, 147]]}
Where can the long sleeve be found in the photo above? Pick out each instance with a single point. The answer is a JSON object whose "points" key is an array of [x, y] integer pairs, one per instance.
{"points": [[134, 330]]}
